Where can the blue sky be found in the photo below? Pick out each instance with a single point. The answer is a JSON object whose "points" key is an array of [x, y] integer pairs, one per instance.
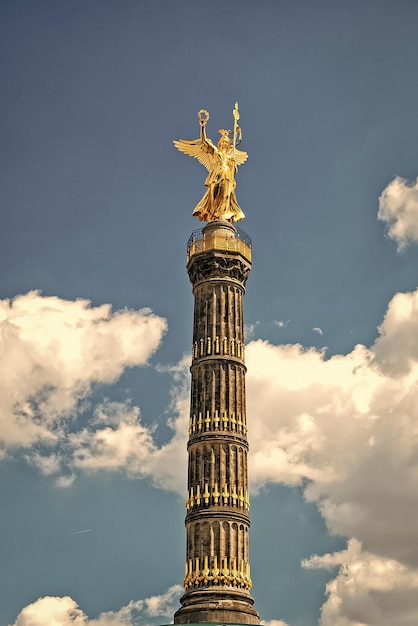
{"points": [[96, 308]]}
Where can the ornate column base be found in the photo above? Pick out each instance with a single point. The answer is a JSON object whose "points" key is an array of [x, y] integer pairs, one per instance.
{"points": [[217, 606]]}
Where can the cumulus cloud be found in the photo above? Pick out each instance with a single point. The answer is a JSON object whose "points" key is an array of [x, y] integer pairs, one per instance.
{"points": [[165, 604], [64, 611], [396, 349], [346, 429], [53, 611], [53, 351], [368, 589], [398, 208], [117, 440], [46, 464]]}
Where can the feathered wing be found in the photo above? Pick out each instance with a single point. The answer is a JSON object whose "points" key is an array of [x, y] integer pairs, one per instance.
{"points": [[240, 157], [203, 151]]}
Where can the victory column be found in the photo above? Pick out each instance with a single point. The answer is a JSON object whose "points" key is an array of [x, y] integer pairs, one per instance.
{"points": [[217, 573]]}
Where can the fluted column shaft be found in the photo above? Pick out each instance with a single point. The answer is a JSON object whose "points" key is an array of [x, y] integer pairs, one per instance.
{"points": [[217, 572]]}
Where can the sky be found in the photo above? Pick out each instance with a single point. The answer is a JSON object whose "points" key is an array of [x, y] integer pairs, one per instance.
{"points": [[96, 307]]}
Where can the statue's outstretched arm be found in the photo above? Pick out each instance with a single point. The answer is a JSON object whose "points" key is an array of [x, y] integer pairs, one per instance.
{"points": [[203, 131], [207, 145], [201, 149]]}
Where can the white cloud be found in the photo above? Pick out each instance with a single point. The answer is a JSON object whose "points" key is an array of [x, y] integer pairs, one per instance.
{"points": [[347, 428], [52, 611], [165, 604], [249, 330], [169, 464], [398, 208], [46, 464], [118, 441], [122, 442], [53, 351], [281, 323], [64, 611], [396, 349], [65, 481], [367, 590]]}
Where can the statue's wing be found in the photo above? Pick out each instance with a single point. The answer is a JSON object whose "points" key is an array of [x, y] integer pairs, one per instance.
{"points": [[240, 157], [203, 151]]}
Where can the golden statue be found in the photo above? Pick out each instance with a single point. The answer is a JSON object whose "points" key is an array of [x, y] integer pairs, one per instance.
{"points": [[219, 201]]}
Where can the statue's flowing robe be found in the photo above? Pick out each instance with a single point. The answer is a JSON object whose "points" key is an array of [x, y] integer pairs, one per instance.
{"points": [[219, 201]]}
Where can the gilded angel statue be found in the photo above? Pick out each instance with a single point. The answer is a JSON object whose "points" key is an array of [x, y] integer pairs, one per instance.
{"points": [[219, 201]]}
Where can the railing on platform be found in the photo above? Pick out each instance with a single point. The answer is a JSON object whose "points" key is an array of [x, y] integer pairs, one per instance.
{"points": [[219, 239]]}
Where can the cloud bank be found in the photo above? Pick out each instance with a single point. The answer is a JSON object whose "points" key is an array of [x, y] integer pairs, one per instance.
{"points": [[368, 589], [347, 428], [116, 440], [53, 352], [344, 427], [64, 611], [398, 208]]}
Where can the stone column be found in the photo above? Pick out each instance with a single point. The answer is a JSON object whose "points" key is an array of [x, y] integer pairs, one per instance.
{"points": [[217, 573]]}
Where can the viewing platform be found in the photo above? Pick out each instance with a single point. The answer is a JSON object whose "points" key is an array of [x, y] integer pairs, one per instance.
{"points": [[219, 235]]}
